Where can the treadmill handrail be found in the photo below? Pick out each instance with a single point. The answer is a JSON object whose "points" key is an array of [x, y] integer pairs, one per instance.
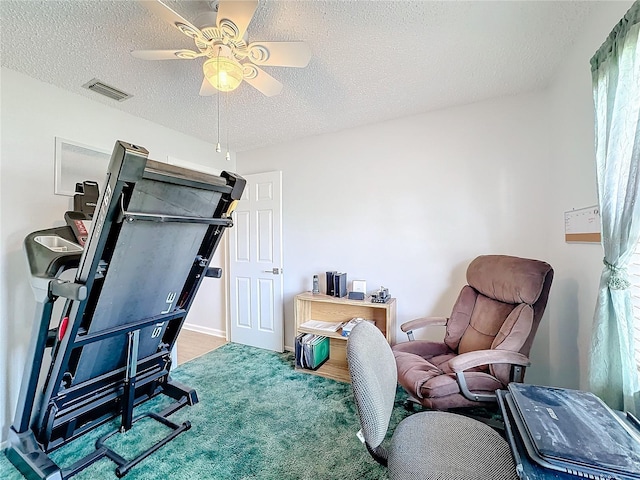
{"points": [[161, 218], [84, 339], [67, 289]]}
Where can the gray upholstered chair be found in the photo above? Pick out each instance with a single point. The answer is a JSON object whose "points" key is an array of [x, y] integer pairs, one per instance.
{"points": [[488, 335], [425, 445]]}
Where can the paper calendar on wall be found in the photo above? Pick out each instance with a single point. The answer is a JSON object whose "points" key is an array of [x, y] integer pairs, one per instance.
{"points": [[582, 225]]}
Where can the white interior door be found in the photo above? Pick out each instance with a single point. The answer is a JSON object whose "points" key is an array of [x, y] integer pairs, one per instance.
{"points": [[255, 264]]}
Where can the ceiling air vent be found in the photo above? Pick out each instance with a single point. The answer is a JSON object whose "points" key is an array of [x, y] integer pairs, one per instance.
{"points": [[106, 90]]}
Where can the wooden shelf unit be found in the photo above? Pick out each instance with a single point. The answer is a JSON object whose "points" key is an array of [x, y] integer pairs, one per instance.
{"points": [[310, 306]]}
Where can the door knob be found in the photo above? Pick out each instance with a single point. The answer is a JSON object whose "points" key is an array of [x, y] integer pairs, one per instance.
{"points": [[274, 270]]}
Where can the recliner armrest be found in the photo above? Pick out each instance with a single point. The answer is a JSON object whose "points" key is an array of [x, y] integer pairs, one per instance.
{"points": [[464, 361], [468, 360], [411, 325]]}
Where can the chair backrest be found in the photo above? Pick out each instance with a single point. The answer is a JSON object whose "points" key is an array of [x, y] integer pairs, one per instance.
{"points": [[501, 306], [372, 368]]}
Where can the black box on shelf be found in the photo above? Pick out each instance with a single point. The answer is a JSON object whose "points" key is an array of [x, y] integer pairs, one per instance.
{"points": [[330, 284], [340, 285]]}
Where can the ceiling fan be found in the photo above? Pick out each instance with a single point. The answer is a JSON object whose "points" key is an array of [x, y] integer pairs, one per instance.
{"points": [[220, 38]]}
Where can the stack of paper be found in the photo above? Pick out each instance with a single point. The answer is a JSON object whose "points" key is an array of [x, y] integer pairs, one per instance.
{"points": [[346, 328], [324, 326]]}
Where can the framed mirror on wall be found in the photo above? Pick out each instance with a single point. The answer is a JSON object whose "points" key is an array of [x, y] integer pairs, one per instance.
{"points": [[75, 163]]}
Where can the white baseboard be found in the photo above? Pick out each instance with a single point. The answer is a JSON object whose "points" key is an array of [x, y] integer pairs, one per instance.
{"points": [[206, 330], [4, 444], [214, 332]]}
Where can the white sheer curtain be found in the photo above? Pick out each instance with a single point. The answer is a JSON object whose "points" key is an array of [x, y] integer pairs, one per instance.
{"points": [[615, 67]]}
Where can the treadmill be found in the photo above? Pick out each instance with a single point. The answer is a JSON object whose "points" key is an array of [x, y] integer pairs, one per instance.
{"points": [[140, 258]]}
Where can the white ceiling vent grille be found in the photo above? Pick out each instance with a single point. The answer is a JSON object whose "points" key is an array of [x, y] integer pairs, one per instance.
{"points": [[106, 90]]}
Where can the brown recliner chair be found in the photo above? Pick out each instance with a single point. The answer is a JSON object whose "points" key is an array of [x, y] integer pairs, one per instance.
{"points": [[488, 335]]}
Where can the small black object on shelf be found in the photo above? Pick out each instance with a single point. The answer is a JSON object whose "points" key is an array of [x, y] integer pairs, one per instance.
{"points": [[336, 284], [330, 284], [381, 296]]}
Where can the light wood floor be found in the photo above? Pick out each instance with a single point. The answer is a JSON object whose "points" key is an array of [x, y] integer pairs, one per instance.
{"points": [[193, 344]]}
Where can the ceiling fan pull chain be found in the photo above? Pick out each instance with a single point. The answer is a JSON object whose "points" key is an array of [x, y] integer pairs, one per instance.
{"points": [[226, 113], [218, 149]]}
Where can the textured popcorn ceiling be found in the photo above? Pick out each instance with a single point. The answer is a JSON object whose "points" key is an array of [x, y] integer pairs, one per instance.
{"points": [[372, 60]]}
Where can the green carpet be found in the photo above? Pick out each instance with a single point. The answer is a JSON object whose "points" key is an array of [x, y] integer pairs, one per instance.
{"points": [[257, 419]]}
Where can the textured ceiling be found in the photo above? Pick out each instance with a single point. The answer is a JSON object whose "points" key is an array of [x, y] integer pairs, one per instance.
{"points": [[372, 60]]}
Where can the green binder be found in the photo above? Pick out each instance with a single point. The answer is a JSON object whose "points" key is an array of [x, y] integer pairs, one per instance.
{"points": [[311, 350]]}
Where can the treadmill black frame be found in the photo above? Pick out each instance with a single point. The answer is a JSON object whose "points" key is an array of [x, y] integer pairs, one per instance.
{"points": [[49, 416]]}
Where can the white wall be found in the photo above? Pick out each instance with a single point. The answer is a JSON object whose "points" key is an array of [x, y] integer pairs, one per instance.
{"points": [[408, 203], [208, 314], [3, 338], [33, 114], [573, 185]]}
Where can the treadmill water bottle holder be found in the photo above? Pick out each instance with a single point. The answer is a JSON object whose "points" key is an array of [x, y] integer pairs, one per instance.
{"points": [[57, 244]]}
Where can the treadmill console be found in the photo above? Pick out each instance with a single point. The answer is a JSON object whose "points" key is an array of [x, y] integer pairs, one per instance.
{"points": [[51, 251], [84, 204]]}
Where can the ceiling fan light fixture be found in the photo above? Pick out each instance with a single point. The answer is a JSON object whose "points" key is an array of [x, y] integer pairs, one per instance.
{"points": [[223, 73]]}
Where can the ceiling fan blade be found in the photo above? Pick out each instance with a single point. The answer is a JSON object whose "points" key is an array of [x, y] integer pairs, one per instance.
{"points": [[234, 16], [166, 54], [261, 80], [206, 89], [173, 18], [280, 54]]}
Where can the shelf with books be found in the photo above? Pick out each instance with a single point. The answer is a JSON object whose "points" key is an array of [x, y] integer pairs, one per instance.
{"points": [[324, 308], [337, 335]]}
